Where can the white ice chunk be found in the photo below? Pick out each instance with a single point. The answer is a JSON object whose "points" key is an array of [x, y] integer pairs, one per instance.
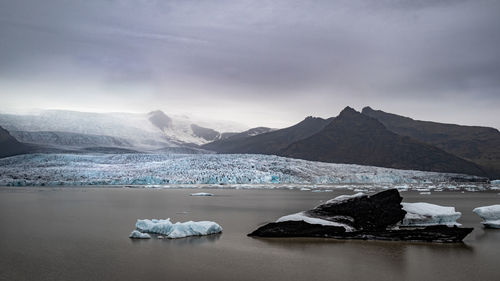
{"points": [[424, 214], [495, 182], [179, 229], [490, 215], [139, 235], [301, 216], [343, 198], [202, 194], [492, 223]]}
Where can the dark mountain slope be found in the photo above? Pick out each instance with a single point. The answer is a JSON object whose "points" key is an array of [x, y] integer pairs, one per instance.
{"points": [[246, 134], [480, 145], [9, 146], [271, 142], [205, 133], [355, 138]]}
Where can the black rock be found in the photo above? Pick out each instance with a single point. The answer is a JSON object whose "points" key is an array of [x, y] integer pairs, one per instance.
{"points": [[373, 217]]}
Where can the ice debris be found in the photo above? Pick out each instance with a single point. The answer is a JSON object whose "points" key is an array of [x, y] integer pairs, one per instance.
{"points": [[179, 229], [424, 214], [139, 235], [202, 194], [490, 215]]}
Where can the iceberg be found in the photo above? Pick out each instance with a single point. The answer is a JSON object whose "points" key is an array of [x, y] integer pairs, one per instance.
{"points": [[202, 194], [424, 214], [495, 182], [139, 235], [374, 217], [490, 215], [168, 229]]}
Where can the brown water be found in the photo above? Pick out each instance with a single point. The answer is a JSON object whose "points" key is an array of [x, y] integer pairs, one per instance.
{"points": [[75, 234]]}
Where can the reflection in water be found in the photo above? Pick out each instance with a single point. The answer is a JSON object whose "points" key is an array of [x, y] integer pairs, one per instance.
{"points": [[191, 240]]}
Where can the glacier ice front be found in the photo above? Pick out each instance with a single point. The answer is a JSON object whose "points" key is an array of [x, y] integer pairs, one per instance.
{"points": [[179, 229], [425, 214], [490, 215]]}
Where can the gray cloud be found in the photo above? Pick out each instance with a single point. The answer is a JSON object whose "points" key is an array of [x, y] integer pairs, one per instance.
{"points": [[427, 59]]}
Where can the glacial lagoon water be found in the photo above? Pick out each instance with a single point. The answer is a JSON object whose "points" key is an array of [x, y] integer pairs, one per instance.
{"points": [[82, 234]]}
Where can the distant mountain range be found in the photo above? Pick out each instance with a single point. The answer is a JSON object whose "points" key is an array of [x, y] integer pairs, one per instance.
{"points": [[355, 138], [370, 137]]}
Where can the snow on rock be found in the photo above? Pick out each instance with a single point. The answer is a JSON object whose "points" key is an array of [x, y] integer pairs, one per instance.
{"points": [[301, 216], [202, 194], [490, 215], [424, 214], [139, 235], [343, 198], [178, 229]]}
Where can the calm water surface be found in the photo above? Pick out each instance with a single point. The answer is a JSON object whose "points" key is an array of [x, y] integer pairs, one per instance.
{"points": [[82, 234]]}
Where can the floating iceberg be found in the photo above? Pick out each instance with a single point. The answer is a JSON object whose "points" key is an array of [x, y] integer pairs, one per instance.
{"points": [[202, 194], [179, 229], [360, 216], [490, 215], [424, 214], [495, 182], [139, 235]]}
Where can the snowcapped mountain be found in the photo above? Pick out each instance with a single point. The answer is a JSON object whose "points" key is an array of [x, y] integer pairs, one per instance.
{"points": [[151, 131]]}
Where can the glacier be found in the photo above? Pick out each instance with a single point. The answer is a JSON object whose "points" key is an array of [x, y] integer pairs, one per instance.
{"points": [[139, 235], [168, 229], [425, 214], [490, 215], [210, 169]]}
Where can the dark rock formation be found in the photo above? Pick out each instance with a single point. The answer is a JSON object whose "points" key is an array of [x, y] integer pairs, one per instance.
{"points": [[373, 217], [205, 133], [9, 146], [160, 119]]}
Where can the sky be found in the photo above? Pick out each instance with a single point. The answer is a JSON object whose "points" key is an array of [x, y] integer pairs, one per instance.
{"points": [[260, 63]]}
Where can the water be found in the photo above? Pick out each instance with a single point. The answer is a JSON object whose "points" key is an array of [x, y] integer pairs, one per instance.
{"points": [[82, 234]]}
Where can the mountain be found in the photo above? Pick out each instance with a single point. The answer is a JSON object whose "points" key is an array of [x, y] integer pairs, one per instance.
{"points": [[63, 130], [480, 145], [205, 133], [354, 138], [268, 143], [9, 146]]}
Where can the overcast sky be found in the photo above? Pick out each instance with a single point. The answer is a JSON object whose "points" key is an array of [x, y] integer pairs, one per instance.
{"points": [[256, 62]]}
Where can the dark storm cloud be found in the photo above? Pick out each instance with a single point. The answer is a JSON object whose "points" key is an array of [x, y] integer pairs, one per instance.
{"points": [[388, 52]]}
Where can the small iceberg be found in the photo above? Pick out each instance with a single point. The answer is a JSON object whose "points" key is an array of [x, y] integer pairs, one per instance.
{"points": [[202, 194], [139, 235], [425, 214], [490, 215], [179, 229]]}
